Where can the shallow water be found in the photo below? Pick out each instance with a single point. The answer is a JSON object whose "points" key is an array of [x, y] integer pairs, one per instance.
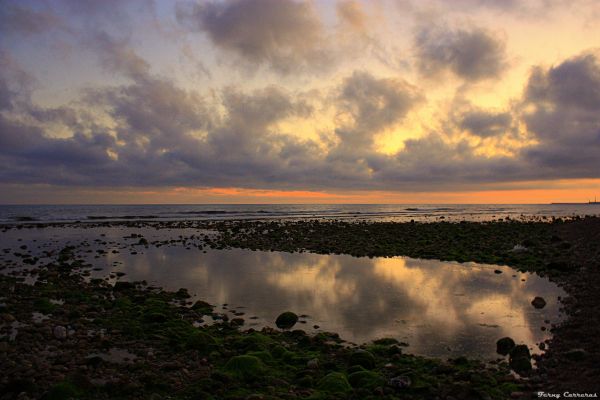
{"points": [[440, 309]]}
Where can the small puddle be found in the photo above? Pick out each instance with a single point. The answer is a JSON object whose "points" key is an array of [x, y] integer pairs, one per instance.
{"points": [[442, 309]]}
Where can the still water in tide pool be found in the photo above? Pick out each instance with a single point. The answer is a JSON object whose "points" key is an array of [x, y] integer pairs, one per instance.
{"points": [[441, 309]]}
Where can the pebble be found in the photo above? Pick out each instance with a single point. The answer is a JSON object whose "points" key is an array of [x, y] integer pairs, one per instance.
{"points": [[60, 332], [7, 317], [400, 382]]}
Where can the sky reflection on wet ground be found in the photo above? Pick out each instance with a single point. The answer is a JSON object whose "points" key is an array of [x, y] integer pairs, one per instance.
{"points": [[440, 309]]}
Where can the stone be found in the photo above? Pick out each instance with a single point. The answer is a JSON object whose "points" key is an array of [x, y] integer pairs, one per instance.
{"points": [[538, 302], [245, 366], [313, 364], [576, 354], [504, 345], [7, 317], [400, 382], [334, 382], [60, 332], [286, 320], [365, 379], [520, 359], [362, 358]]}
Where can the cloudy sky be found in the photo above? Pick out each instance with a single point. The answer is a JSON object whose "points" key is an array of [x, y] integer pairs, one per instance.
{"points": [[146, 101]]}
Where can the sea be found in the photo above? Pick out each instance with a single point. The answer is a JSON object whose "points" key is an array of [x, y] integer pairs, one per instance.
{"points": [[10, 214]]}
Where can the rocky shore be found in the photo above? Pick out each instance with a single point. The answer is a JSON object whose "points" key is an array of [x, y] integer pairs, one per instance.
{"points": [[68, 336]]}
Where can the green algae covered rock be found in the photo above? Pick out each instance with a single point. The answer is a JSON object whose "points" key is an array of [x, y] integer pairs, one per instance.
{"points": [[286, 320], [334, 382], [200, 341], [363, 358], [245, 367], [365, 379]]}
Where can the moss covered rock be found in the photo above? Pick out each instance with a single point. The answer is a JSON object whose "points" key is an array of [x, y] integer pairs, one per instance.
{"points": [[201, 341], [363, 358], [245, 366], [334, 382], [365, 379], [286, 320]]}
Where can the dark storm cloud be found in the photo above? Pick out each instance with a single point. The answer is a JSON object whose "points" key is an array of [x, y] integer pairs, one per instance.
{"points": [[282, 34], [565, 117], [15, 83], [485, 124], [471, 54], [19, 20], [163, 135]]}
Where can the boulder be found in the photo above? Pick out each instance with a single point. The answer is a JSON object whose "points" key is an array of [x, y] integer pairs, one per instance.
{"points": [[363, 358], [538, 302], [334, 382], [504, 345], [286, 320], [520, 359]]}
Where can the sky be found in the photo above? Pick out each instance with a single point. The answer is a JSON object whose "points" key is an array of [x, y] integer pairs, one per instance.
{"points": [[290, 101]]}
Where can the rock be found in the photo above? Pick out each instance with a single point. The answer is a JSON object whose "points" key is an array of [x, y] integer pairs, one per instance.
{"points": [[365, 379], [313, 364], [7, 317], [362, 358], [518, 248], [123, 286], [201, 341], [576, 354], [520, 359], [538, 302], [504, 345], [60, 332], [245, 366], [286, 320], [400, 382], [334, 382]]}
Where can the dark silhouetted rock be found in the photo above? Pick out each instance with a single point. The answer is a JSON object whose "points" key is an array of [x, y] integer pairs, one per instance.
{"points": [[504, 345], [286, 320], [520, 359], [538, 302]]}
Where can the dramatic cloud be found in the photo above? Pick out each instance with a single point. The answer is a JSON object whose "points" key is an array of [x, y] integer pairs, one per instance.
{"points": [[485, 124], [92, 97], [283, 34], [351, 13], [116, 56], [367, 105], [18, 20], [565, 117], [472, 54]]}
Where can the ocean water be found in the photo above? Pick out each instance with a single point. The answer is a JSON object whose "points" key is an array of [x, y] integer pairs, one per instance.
{"points": [[370, 212]]}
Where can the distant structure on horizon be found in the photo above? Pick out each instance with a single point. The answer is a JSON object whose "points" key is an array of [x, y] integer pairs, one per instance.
{"points": [[589, 202]]}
